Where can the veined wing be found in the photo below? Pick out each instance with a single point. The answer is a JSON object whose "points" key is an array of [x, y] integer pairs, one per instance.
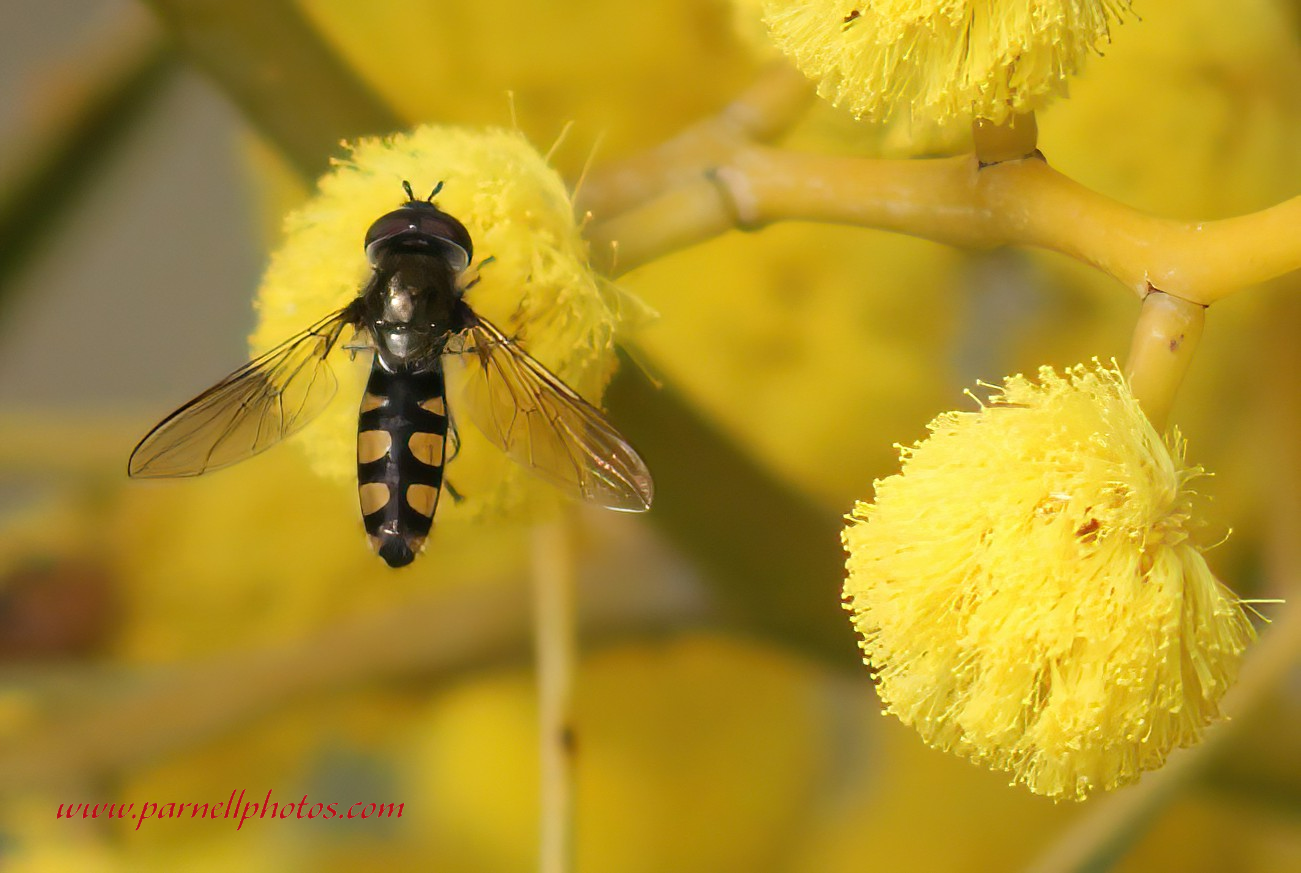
{"points": [[249, 411], [541, 423]]}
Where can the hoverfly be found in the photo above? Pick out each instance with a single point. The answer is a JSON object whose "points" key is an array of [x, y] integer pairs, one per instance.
{"points": [[412, 313]]}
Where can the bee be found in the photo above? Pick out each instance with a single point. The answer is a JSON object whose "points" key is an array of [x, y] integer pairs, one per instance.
{"points": [[413, 315]]}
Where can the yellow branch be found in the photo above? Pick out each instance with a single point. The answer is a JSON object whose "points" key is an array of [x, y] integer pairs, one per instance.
{"points": [[154, 713], [954, 201], [765, 110], [555, 647], [1165, 338]]}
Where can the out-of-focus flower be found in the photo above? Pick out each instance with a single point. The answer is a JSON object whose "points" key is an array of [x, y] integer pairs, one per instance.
{"points": [[537, 288], [755, 328], [666, 733], [267, 551], [1028, 594], [1220, 103], [941, 59], [629, 73]]}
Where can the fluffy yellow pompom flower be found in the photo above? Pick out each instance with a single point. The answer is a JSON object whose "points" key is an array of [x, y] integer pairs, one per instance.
{"points": [[537, 288], [941, 58], [1027, 592]]}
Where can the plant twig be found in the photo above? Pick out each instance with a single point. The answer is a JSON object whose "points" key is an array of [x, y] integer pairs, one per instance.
{"points": [[270, 61], [955, 201], [1165, 337], [764, 111], [152, 713], [98, 104], [554, 647], [52, 442]]}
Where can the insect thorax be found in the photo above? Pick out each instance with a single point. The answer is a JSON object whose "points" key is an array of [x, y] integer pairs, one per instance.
{"points": [[411, 305]]}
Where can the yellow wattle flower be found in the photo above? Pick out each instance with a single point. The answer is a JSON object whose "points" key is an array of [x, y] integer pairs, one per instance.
{"points": [[941, 59], [1028, 594], [538, 287]]}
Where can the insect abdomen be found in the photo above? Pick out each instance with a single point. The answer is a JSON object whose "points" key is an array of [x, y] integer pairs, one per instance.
{"points": [[401, 444]]}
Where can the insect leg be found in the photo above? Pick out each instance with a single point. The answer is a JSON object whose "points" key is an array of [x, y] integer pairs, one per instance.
{"points": [[455, 437]]}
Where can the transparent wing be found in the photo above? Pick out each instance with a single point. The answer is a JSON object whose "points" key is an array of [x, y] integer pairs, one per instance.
{"points": [[249, 411], [540, 422]]}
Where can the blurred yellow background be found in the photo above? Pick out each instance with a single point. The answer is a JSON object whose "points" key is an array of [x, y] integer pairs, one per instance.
{"points": [[170, 642]]}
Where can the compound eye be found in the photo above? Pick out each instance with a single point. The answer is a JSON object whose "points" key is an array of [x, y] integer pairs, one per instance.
{"points": [[389, 226], [439, 225], [424, 227]]}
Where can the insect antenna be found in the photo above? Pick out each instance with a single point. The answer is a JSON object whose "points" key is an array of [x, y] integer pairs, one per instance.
{"points": [[434, 193], [411, 195], [477, 267]]}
